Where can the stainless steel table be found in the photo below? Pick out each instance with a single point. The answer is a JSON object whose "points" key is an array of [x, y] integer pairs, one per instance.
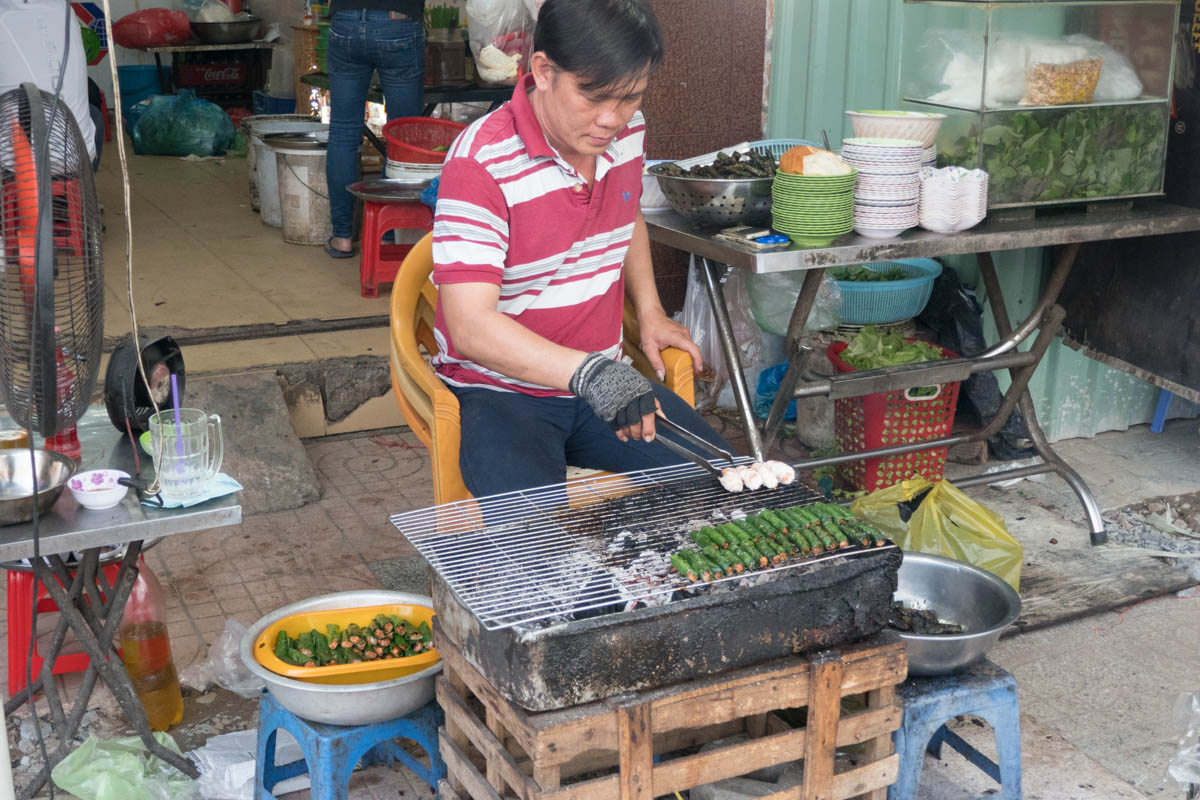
{"points": [[1068, 229], [90, 607]]}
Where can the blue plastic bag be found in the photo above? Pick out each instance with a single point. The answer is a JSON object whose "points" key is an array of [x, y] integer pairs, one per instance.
{"points": [[139, 108], [429, 193], [768, 386], [182, 125]]}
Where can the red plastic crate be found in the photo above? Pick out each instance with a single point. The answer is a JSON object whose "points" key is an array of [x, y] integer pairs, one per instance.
{"points": [[890, 418], [230, 73]]}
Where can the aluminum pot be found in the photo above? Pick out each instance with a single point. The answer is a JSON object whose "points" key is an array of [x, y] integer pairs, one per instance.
{"points": [[16, 483], [354, 704], [960, 593], [236, 32]]}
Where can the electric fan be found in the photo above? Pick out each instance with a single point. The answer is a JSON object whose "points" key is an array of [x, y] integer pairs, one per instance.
{"points": [[51, 272]]}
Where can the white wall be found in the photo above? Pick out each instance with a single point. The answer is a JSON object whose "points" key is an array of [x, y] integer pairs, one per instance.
{"points": [[117, 9]]}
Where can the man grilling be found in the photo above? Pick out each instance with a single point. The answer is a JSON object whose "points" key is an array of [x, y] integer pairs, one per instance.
{"points": [[537, 239]]}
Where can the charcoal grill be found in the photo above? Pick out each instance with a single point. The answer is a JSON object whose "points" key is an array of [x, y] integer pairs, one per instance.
{"points": [[563, 594]]}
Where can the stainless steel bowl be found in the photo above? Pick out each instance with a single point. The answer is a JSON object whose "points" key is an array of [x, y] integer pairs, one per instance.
{"points": [[236, 32], [16, 483], [351, 704], [958, 593], [718, 202]]}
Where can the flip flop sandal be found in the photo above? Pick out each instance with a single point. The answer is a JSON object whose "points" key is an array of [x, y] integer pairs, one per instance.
{"points": [[334, 252]]}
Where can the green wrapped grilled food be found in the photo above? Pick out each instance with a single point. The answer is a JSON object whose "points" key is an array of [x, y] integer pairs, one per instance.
{"points": [[385, 637], [769, 538]]}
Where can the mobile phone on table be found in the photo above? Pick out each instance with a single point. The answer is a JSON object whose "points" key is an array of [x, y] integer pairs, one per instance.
{"points": [[744, 232]]}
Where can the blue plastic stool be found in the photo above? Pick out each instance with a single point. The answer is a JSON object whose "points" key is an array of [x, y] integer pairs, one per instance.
{"points": [[984, 690], [332, 751]]}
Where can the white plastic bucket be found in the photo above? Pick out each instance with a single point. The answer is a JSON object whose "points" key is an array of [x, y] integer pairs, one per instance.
{"points": [[303, 195], [248, 126], [263, 181]]}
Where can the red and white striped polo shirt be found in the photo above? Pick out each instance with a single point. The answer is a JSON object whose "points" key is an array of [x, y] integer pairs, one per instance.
{"points": [[512, 212]]}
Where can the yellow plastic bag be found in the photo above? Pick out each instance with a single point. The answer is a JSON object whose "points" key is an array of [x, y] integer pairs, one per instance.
{"points": [[946, 523]]}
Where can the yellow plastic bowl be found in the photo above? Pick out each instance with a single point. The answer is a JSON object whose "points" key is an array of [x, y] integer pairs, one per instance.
{"points": [[366, 672]]}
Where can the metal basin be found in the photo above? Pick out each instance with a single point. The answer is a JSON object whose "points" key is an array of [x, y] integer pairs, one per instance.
{"points": [[16, 483], [236, 32], [389, 190], [718, 202], [298, 140], [358, 704], [958, 593]]}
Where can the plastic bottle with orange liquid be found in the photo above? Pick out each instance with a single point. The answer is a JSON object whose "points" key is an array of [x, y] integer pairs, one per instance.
{"points": [[146, 649]]}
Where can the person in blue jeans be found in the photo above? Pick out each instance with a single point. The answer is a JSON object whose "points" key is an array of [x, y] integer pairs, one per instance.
{"points": [[365, 36]]}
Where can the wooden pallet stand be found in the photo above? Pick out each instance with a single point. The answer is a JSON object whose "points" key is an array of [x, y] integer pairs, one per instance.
{"points": [[628, 747]]}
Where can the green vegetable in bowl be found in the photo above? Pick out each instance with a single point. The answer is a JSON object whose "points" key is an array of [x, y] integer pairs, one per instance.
{"points": [[387, 636], [1077, 153], [861, 274], [871, 349]]}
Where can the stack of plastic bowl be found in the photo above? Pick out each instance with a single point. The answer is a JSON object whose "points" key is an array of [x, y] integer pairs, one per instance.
{"points": [[929, 157], [813, 210], [952, 199], [889, 184]]}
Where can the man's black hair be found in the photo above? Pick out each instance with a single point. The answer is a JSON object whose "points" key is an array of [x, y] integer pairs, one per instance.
{"points": [[606, 44]]}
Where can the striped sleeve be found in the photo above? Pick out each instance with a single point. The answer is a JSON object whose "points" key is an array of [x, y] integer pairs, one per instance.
{"points": [[470, 225]]}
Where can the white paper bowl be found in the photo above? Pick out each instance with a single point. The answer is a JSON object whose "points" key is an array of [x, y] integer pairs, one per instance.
{"points": [[97, 489]]}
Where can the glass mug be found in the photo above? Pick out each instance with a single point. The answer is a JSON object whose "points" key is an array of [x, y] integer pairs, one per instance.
{"points": [[187, 462]]}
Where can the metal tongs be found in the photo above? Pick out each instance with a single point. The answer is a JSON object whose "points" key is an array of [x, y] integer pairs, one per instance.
{"points": [[662, 423]]}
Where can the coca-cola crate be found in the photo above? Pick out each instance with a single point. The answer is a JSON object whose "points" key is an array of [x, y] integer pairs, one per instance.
{"points": [[230, 73]]}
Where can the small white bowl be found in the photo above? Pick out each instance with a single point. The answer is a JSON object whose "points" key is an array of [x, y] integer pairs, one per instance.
{"points": [[881, 233], [98, 489]]}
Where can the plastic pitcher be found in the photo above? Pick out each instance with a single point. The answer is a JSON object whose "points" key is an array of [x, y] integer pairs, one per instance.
{"points": [[187, 457]]}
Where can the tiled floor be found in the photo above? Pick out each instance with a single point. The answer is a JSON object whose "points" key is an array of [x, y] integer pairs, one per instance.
{"points": [[202, 258], [245, 571]]}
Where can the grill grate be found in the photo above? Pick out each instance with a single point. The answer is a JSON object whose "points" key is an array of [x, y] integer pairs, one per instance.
{"points": [[593, 545]]}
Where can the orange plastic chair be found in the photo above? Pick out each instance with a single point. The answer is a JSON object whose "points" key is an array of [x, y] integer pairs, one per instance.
{"points": [[429, 407]]}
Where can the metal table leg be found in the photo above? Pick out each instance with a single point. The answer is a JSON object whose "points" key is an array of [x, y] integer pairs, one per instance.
{"points": [[798, 361], [711, 272], [164, 84], [1058, 278], [798, 357], [94, 622]]}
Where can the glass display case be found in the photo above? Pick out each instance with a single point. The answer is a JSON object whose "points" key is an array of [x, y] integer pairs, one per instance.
{"points": [[1059, 100]]}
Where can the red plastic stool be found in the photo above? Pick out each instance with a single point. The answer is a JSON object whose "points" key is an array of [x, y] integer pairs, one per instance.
{"points": [[20, 586], [379, 263]]}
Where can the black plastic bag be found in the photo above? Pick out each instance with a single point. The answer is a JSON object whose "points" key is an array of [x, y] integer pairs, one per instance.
{"points": [[957, 319]]}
